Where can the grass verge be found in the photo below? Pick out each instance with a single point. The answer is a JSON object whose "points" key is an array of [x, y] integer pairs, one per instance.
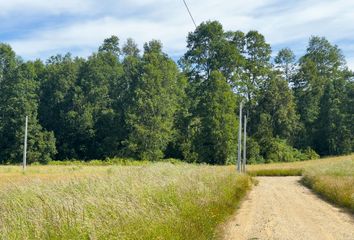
{"points": [[292, 168], [276, 172], [334, 182], [156, 201]]}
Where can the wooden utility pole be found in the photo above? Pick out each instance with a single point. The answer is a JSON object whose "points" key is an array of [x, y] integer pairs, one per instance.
{"points": [[239, 140], [25, 146], [244, 144]]}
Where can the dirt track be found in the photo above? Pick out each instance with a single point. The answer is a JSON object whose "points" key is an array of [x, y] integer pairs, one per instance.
{"points": [[281, 208]]}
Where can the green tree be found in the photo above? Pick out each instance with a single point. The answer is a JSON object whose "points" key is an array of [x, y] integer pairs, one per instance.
{"points": [[277, 100], [60, 105], [257, 67], [100, 80], [216, 141], [110, 45], [320, 90], [285, 63], [210, 49], [19, 98], [150, 117]]}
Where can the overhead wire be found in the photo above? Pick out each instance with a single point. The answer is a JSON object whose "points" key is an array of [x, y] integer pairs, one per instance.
{"points": [[189, 12]]}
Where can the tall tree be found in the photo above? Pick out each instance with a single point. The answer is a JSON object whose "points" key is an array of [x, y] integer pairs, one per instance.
{"points": [[210, 49], [277, 101], [257, 67], [216, 141], [319, 90], [100, 80], [61, 106], [285, 62], [150, 116], [19, 98]]}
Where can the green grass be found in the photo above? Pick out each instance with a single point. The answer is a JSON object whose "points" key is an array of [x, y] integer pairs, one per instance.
{"points": [[155, 201], [276, 172], [291, 168], [335, 182]]}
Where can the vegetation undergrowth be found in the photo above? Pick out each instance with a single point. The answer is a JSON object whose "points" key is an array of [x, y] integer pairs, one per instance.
{"points": [[156, 201], [276, 172], [110, 161], [291, 168]]}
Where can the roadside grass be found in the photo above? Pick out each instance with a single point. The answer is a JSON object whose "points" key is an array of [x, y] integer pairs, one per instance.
{"points": [[155, 201], [335, 182], [292, 168], [332, 178], [276, 172]]}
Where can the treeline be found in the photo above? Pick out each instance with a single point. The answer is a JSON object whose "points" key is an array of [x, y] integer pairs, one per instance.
{"points": [[121, 102]]}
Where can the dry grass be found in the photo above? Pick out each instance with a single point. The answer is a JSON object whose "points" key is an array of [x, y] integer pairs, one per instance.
{"points": [[292, 168], [333, 181], [157, 201]]}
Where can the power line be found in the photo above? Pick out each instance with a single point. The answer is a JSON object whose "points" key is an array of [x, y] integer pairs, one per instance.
{"points": [[190, 14]]}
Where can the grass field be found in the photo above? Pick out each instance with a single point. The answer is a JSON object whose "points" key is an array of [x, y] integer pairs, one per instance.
{"points": [[334, 182], [293, 168], [332, 178], [155, 201]]}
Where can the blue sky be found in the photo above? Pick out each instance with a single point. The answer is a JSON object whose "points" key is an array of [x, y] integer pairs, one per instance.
{"points": [[41, 28]]}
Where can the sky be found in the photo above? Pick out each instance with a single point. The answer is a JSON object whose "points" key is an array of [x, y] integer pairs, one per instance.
{"points": [[42, 28]]}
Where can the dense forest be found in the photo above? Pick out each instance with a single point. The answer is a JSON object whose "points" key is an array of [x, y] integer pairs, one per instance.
{"points": [[121, 102]]}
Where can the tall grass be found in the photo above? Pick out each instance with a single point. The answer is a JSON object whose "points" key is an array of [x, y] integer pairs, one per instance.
{"points": [[333, 181], [156, 201], [292, 168]]}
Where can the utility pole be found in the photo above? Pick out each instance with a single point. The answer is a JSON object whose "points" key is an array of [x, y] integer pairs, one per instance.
{"points": [[239, 140], [24, 164], [244, 143], [25, 146]]}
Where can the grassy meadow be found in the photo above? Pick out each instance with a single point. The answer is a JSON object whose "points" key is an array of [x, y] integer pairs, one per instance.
{"points": [[153, 201], [334, 181], [332, 178], [294, 168]]}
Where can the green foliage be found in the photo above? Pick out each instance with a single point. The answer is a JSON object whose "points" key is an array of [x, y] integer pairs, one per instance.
{"points": [[322, 90], [285, 63], [310, 154], [19, 98], [253, 151], [215, 141], [120, 103], [150, 117], [277, 102], [277, 150], [110, 45]]}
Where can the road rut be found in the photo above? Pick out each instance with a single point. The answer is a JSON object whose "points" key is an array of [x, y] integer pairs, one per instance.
{"points": [[281, 208]]}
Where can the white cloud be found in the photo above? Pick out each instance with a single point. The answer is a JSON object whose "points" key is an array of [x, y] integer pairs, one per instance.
{"points": [[90, 34], [26, 7], [282, 22]]}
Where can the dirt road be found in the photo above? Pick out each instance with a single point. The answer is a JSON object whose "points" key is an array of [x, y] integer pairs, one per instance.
{"points": [[281, 208]]}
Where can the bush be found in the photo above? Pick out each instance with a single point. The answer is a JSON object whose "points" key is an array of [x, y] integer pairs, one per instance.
{"points": [[279, 151], [310, 154], [253, 152]]}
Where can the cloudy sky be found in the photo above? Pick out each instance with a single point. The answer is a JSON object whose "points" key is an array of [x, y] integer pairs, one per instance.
{"points": [[41, 28]]}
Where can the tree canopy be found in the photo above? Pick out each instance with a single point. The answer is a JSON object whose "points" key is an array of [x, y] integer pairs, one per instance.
{"points": [[127, 102]]}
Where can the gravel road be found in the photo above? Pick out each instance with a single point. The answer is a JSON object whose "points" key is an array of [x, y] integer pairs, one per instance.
{"points": [[281, 208]]}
